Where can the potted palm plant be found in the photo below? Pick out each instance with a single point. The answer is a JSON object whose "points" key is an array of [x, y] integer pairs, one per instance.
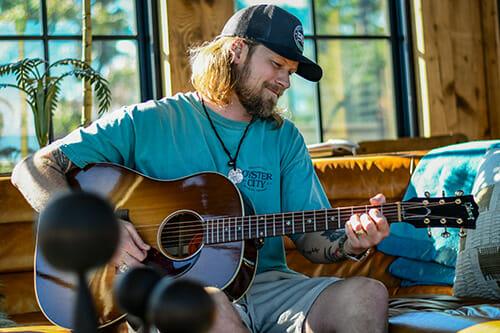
{"points": [[42, 89]]}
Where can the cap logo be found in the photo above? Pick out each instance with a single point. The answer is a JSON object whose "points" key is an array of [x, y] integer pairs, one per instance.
{"points": [[298, 37]]}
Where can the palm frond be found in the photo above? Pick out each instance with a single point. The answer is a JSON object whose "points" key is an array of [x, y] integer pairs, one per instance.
{"points": [[101, 86], [32, 66], [8, 69], [8, 85], [52, 97], [43, 90], [77, 64]]}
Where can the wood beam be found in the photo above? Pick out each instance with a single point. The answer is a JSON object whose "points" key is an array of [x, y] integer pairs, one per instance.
{"points": [[186, 23]]}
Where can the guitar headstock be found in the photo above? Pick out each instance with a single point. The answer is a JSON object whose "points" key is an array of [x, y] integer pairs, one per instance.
{"points": [[460, 211]]}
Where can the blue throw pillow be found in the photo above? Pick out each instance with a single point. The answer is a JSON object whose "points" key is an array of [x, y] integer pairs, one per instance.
{"points": [[445, 169]]}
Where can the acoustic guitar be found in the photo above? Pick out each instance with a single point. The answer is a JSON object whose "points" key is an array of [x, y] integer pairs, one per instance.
{"points": [[200, 227]]}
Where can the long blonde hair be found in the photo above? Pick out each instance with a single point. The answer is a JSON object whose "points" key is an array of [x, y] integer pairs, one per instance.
{"points": [[212, 73]]}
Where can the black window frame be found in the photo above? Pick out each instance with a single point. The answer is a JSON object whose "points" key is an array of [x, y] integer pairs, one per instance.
{"points": [[146, 37], [402, 60]]}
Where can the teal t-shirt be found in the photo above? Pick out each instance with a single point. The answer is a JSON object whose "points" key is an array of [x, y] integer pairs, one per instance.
{"points": [[172, 138]]}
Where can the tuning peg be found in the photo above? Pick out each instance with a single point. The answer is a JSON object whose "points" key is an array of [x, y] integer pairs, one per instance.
{"points": [[443, 194], [459, 193], [445, 233], [429, 231], [427, 194], [462, 233]]}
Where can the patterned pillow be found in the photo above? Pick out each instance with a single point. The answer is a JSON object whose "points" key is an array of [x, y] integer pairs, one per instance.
{"points": [[478, 265]]}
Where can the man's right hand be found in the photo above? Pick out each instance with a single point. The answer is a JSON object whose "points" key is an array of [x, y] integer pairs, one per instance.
{"points": [[132, 250]]}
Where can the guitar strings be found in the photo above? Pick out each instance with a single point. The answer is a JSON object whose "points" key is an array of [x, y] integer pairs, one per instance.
{"points": [[232, 228], [245, 230], [251, 232], [330, 211], [290, 215]]}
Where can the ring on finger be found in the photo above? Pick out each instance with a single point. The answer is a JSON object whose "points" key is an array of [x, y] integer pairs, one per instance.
{"points": [[123, 268], [359, 232]]}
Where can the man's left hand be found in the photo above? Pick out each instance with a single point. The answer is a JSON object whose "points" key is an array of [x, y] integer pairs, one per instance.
{"points": [[366, 230]]}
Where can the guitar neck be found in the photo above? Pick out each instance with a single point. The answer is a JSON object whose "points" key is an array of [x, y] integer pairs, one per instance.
{"points": [[231, 229]]}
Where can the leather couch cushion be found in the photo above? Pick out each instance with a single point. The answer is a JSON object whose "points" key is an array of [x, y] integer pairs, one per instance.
{"points": [[18, 246], [359, 178], [19, 292], [13, 207]]}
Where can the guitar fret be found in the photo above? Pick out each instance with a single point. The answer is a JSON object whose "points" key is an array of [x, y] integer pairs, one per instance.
{"points": [[257, 231], [223, 233], [274, 224], [314, 214], [283, 222], [212, 226], [206, 231], [249, 227], [303, 223], [326, 219], [338, 218], [265, 226], [293, 223], [217, 230], [242, 228]]}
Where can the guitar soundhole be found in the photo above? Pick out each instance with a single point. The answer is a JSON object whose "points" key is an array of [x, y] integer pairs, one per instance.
{"points": [[181, 235]]}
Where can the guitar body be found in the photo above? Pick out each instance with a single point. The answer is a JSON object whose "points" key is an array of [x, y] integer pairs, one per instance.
{"points": [[156, 208]]}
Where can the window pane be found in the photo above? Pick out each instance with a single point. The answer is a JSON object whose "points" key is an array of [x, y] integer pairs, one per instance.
{"points": [[115, 60], [17, 132], [357, 90], [67, 114], [113, 17], [118, 62], [352, 17], [299, 8], [64, 17], [300, 101], [20, 17]]}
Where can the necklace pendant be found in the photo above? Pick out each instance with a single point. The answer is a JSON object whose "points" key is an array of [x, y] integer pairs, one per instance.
{"points": [[235, 175]]}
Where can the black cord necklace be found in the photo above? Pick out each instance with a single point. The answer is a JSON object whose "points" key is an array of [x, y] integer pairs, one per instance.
{"points": [[235, 174]]}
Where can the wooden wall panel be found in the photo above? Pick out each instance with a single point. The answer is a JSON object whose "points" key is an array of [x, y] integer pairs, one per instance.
{"points": [[187, 23], [460, 53], [491, 36]]}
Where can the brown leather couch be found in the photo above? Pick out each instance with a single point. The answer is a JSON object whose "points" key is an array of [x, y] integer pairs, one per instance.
{"points": [[348, 180]]}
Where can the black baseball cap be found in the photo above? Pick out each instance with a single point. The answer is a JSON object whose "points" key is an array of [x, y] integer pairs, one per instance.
{"points": [[276, 29]]}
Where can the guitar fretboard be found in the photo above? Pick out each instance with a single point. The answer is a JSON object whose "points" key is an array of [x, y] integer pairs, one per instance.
{"points": [[229, 229]]}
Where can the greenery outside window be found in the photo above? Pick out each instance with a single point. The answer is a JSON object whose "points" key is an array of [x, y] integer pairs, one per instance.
{"points": [[51, 30]]}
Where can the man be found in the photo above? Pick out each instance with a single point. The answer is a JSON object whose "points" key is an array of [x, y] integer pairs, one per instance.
{"points": [[231, 125]]}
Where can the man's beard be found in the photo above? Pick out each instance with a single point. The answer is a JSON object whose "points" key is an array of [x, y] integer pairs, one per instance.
{"points": [[252, 98]]}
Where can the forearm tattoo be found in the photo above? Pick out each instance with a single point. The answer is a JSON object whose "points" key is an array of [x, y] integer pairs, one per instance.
{"points": [[334, 252], [333, 235], [62, 161]]}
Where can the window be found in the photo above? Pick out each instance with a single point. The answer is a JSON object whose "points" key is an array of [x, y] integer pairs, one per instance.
{"points": [[51, 30], [362, 46]]}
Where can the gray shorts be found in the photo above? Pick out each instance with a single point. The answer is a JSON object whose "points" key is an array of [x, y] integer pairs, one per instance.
{"points": [[279, 301]]}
